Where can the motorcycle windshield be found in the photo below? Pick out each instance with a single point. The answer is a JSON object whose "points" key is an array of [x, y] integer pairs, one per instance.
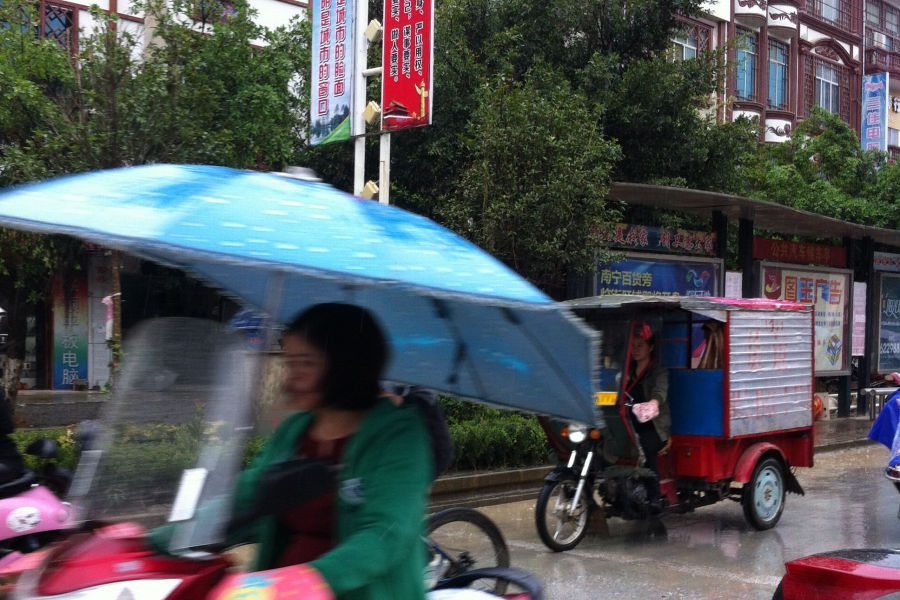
{"points": [[174, 434]]}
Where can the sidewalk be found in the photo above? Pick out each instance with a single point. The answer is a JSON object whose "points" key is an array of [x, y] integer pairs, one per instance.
{"points": [[842, 433]]}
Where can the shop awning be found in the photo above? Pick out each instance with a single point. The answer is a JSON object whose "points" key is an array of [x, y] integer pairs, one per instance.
{"points": [[765, 215]]}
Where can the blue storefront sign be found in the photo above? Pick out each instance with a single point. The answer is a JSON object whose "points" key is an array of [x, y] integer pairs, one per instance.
{"points": [[874, 112], [659, 278]]}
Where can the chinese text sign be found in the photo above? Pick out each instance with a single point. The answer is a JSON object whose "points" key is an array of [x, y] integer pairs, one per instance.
{"points": [[885, 261], [651, 278], [799, 252], [874, 112], [406, 89], [826, 292], [661, 239], [332, 71], [70, 332]]}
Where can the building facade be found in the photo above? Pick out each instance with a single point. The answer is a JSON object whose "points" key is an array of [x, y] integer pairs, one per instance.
{"points": [[791, 55], [68, 21]]}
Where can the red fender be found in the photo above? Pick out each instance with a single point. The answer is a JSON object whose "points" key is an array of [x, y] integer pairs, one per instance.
{"points": [[743, 471]]}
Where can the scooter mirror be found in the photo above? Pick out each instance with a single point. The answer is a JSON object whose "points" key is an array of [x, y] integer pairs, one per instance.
{"points": [[42, 448]]}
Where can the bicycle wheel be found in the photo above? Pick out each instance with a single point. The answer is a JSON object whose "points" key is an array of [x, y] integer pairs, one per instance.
{"points": [[466, 539]]}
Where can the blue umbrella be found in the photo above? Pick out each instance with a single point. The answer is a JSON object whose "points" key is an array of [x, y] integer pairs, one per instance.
{"points": [[458, 320]]}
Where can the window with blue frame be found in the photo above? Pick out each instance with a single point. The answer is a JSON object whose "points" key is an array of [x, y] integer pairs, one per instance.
{"points": [[56, 22], [778, 75], [745, 65]]}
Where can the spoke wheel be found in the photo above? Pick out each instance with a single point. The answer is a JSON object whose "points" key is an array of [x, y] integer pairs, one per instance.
{"points": [[466, 540], [763, 496], [559, 528]]}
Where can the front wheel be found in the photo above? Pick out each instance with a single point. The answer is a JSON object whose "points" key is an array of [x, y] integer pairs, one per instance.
{"points": [[779, 592], [763, 496], [465, 540], [559, 527]]}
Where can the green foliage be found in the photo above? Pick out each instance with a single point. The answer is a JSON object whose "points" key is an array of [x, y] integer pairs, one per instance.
{"points": [[535, 189], [64, 438], [483, 438], [504, 441], [824, 170]]}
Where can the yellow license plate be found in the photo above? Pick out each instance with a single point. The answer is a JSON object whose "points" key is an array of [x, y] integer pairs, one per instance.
{"points": [[605, 398]]}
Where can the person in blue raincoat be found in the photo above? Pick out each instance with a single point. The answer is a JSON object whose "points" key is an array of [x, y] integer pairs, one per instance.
{"points": [[885, 430]]}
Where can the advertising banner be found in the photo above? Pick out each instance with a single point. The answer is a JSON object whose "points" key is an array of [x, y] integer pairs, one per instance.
{"points": [[734, 284], [874, 112], [889, 325], [798, 252], [661, 239], [70, 332], [406, 89], [885, 261], [659, 278], [859, 318], [332, 71], [827, 291]]}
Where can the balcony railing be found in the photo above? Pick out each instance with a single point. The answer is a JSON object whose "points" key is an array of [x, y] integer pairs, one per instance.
{"points": [[879, 60], [844, 14], [893, 154]]}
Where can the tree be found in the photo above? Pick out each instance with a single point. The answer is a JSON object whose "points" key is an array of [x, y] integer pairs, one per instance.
{"points": [[534, 190], [223, 91], [823, 169]]}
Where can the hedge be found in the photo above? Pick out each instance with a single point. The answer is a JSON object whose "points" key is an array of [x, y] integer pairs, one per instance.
{"points": [[483, 438]]}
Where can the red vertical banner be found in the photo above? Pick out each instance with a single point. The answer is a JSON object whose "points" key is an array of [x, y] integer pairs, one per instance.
{"points": [[406, 89]]}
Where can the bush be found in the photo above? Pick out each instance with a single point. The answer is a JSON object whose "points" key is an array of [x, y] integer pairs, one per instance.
{"points": [[483, 438], [64, 438], [502, 441]]}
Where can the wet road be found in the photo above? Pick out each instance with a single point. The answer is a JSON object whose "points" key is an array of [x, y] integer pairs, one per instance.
{"points": [[713, 553]]}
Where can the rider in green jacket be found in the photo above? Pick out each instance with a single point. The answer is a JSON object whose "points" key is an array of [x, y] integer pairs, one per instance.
{"points": [[382, 491]]}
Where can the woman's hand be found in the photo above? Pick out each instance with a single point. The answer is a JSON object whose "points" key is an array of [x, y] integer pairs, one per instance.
{"points": [[646, 411]]}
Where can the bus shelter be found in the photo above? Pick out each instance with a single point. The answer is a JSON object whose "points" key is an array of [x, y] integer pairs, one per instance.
{"points": [[831, 277]]}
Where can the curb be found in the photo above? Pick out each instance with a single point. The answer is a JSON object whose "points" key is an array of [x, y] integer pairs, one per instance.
{"points": [[844, 445]]}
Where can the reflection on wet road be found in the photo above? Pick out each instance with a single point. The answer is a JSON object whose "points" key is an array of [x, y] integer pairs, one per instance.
{"points": [[713, 553]]}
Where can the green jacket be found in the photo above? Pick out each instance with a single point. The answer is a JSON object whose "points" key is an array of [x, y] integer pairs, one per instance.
{"points": [[382, 492]]}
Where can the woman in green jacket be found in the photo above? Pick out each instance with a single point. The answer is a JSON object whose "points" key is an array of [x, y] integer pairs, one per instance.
{"points": [[365, 537]]}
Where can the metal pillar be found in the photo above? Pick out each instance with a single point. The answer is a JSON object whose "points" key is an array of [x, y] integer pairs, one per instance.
{"points": [[384, 176], [358, 99], [844, 392], [745, 258], [720, 228], [867, 363]]}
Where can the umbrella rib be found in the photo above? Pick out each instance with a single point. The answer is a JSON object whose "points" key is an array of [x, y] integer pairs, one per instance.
{"points": [[462, 354]]}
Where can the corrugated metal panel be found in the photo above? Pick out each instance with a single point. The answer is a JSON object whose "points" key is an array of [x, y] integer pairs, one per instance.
{"points": [[770, 371]]}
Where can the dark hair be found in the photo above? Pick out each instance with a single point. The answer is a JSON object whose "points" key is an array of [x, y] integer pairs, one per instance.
{"points": [[355, 349]]}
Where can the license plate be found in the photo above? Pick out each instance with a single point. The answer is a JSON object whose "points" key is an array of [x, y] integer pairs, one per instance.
{"points": [[605, 398]]}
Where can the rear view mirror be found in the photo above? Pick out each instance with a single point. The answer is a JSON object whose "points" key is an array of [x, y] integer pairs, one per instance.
{"points": [[288, 485], [42, 448]]}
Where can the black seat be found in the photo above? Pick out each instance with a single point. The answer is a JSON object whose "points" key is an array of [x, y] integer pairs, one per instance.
{"points": [[17, 486]]}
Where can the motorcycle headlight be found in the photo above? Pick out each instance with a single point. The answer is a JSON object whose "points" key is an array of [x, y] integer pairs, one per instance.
{"points": [[577, 433]]}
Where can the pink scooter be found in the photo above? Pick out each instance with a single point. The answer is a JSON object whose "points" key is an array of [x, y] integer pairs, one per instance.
{"points": [[32, 513]]}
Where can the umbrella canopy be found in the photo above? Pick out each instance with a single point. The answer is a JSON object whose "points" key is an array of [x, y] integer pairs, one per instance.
{"points": [[458, 320]]}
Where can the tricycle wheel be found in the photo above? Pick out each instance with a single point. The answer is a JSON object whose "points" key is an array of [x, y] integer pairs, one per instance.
{"points": [[779, 594], [558, 529], [763, 495]]}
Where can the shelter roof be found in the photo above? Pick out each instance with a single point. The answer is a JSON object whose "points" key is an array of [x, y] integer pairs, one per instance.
{"points": [[690, 303], [766, 215]]}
